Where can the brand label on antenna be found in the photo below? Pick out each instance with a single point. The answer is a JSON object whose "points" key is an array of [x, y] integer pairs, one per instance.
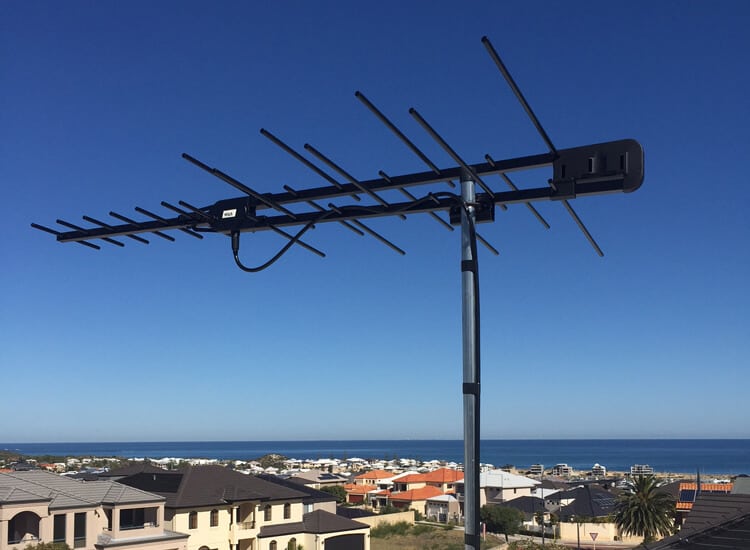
{"points": [[229, 213]]}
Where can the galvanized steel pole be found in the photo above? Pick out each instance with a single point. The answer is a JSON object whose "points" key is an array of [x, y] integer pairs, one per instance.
{"points": [[470, 322]]}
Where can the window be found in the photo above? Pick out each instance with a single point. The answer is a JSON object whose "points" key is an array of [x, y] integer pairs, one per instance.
{"points": [[267, 513], [58, 529], [132, 518], [287, 511], [193, 520], [214, 518], [292, 544], [79, 530], [272, 546]]}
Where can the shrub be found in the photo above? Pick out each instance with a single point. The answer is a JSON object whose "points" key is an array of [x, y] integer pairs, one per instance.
{"points": [[385, 530]]}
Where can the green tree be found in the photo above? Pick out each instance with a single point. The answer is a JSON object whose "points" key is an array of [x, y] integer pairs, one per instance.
{"points": [[336, 490], [645, 510], [501, 519]]}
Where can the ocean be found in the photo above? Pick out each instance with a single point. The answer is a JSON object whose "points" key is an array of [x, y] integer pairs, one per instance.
{"points": [[712, 456]]}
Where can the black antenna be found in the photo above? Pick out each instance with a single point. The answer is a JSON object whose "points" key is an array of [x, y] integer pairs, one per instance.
{"points": [[399, 134], [600, 168], [513, 86]]}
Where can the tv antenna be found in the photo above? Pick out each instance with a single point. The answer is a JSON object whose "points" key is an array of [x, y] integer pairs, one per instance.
{"points": [[601, 168]]}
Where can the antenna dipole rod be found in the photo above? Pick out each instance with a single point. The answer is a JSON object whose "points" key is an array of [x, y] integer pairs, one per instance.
{"points": [[512, 185], [130, 220], [319, 208], [238, 185], [582, 227], [448, 149], [370, 231], [409, 195], [276, 141], [299, 242], [107, 226], [79, 228], [196, 211], [160, 219], [57, 233], [399, 134], [516, 90], [347, 175], [491, 248]]}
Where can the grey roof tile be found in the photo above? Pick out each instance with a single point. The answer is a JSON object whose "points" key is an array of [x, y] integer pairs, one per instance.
{"points": [[63, 492]]}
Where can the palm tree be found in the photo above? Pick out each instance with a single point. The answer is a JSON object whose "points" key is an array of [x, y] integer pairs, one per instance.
{"points": [[644, 510]]}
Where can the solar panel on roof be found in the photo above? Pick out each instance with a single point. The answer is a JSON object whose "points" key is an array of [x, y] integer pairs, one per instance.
{"points": [[687, 495]]}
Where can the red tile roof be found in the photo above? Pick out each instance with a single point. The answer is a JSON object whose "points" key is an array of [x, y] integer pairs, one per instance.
{"points": [[351, 488], [416, 494], [375, 474], [708, 487], [443, 475]]}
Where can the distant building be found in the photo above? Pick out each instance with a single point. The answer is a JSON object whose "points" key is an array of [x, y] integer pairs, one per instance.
{"points": [[536, 469], [641, 470], [562, 470], [598, 470]]}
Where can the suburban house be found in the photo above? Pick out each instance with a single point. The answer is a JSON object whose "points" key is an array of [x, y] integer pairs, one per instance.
{"points": [[414, 499], [366, 484], [717, 520], [318, 479], [37, 506], [499, 486], [412, 490], [373, 477], [688, 492], [587, 501], [443, 508], [222, 509], [314, 499]]}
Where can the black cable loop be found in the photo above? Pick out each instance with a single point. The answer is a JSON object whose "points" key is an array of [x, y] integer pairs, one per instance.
{"points": [[279, 254], [236, 234], [475, 260]]}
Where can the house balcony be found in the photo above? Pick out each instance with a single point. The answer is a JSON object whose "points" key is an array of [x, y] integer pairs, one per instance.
{"points": [[242, 530]]}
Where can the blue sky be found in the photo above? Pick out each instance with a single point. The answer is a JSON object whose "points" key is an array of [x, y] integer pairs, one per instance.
{"points": [[171, 341]]}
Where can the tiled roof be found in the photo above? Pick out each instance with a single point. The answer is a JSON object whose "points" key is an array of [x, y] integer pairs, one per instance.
{"points": [[353, 489], [313, 495], [505, 480], [717, 521], [375, 474], [63, 492], [410, 478], [137, 468], [318, 522], [588, 501], [443, 475], [209, 485], [707, 487], [416, 494]]}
